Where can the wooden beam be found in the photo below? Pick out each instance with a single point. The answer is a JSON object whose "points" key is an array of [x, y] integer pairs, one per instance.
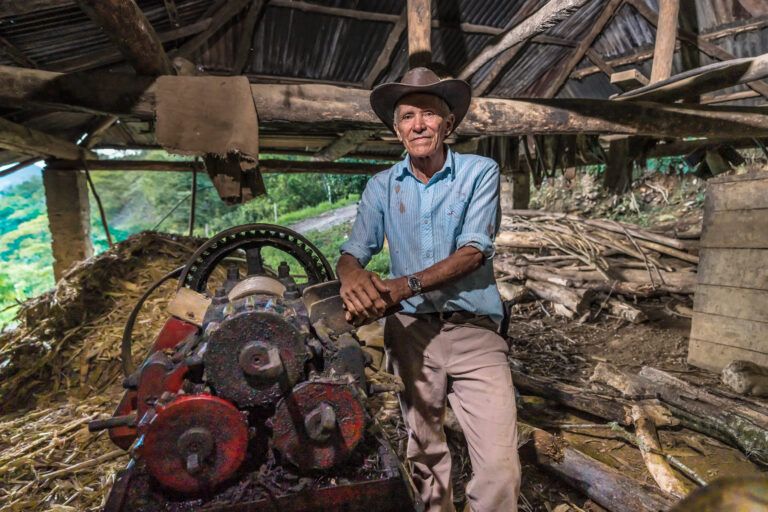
{"points": [[265, 166], [647, 52], [419, 32], [712, 99], [219, 18], [244, 47], [496, 68], [710, 49], [344, 145], [129, 29], [334, 11], [385, 56], [19, 166], [666, 37], [712, 77], [66, 199], [110, 56], [596, 59], [629, 79], [327, 106], [555, 84], [553, 12], [15, 54], [20, 139]]}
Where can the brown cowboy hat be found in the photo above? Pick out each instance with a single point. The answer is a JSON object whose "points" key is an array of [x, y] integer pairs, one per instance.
{"points": [[456, 93]]}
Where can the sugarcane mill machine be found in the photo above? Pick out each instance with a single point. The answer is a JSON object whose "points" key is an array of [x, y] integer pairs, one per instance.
{"points": [[253, 395]]}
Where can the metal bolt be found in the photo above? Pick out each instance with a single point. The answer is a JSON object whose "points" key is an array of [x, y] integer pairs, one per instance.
{"points": [[320, 422], [194, 446], [261, 360]]}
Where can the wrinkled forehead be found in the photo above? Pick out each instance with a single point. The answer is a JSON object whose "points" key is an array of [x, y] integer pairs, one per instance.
{"points": [[422, 101]]}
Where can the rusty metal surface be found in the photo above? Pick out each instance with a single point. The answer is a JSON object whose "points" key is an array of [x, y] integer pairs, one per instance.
{"points": [[292, 432], [223, 358], [195, 443]]}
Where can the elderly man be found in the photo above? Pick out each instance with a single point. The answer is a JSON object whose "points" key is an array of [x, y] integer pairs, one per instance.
{"points": [[439, 212]]}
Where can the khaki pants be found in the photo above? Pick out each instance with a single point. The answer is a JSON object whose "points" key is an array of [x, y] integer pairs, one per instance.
{"points": [[430, 354]]}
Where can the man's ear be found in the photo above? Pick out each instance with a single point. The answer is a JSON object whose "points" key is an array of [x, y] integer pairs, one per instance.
{"points": [[449, 123], [397, 132]]}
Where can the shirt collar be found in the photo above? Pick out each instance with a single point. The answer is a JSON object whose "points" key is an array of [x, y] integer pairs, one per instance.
{"points": [[448, 169]]}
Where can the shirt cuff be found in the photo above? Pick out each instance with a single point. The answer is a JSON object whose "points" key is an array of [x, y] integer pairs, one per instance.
{"points": [[479, 241], [359, 252]]}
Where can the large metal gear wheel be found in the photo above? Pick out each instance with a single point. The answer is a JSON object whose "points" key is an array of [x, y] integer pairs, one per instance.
{"points": [[252, 238]]}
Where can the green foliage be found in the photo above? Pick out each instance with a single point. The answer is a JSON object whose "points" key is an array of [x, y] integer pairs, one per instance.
{"points": [[330, 240]]}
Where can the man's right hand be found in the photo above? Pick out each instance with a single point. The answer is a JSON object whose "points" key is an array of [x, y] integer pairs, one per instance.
{"points": [[358, 292]]}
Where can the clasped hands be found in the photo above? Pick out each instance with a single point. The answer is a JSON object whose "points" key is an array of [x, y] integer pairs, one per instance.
{"points": [[366, 296]]}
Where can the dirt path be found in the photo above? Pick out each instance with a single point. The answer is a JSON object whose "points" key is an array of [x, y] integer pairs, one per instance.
{"points": [[326, 220]]}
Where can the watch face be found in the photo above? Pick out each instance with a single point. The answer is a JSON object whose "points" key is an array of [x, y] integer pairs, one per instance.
{"points": [[414, 284]]}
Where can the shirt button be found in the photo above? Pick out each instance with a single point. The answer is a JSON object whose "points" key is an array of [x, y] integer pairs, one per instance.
{"points": [[426, 222]]}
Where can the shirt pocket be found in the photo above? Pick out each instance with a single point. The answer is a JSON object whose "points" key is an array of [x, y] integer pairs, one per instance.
{"points": [[454, 217]]}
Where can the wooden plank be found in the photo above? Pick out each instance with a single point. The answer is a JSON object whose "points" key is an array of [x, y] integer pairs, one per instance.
{"points": [[345, 144], [739, 195], [736, 229], [553, 12], [629, 79], [10, 50], [130, 30], [419, 32], [734, 332], [596, 28], [244, 47], [743, 268], [496, 68], [16, 7], [715, 357], [666, 37], [712, 77], [746, 304]]}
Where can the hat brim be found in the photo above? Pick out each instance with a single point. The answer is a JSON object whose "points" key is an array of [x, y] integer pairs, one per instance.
{"points": [[456, 93]]}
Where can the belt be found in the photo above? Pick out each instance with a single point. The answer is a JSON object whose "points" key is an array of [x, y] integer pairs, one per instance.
{"points": [[457, 317]]}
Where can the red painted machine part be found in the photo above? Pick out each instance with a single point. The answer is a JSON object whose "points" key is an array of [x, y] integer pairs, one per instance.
{"points": [[174, 331], [221, 419]]}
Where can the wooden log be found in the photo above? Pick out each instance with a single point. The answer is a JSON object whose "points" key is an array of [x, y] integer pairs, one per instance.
{"points": [[538, 273], [119, 94], [576, 302], [666, 37], [729, 423], [419, 32], [520, 240], [625, 311], [345, 144], [512, 292], [601, 483], [650, 448], [130, 30]]}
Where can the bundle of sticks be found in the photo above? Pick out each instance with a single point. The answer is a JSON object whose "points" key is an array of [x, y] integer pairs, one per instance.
{"points": [[574, 262]]}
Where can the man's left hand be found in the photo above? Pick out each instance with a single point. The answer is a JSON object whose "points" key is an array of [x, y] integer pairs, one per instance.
{"points": [[393, 291]]}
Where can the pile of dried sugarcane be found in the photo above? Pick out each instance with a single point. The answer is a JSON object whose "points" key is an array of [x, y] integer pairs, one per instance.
{"points": [[575, 262]]}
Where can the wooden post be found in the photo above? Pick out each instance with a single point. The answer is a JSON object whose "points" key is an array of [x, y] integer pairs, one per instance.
{"points": [[666, 37], [419, 31], [66, 197], [618, 170]]}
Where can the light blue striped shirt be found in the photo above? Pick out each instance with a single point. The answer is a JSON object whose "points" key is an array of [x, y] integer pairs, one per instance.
{"points": [[426, 223]]}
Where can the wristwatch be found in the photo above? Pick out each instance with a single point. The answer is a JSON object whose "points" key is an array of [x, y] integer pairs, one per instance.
{"points": [[414, 283]]}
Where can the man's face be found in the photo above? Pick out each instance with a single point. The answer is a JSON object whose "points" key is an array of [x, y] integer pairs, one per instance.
{"points": [[422, 122]]}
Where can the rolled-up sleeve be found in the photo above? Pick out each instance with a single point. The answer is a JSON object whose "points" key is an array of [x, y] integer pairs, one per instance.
{"points": [[483, 214], [367, 237]]}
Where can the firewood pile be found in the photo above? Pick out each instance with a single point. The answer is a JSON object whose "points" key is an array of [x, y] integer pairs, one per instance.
{"points": [[587, 266]]}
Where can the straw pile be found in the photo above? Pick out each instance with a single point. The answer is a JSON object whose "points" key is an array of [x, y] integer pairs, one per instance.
{"points": [[60, 368]]}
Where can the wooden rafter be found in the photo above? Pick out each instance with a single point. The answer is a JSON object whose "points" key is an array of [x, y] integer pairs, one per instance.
{"points": [[555, 84], [385, 56], [255, 12], [597, 59], [327, 106], [666, 37], [219, 18], [28, 141], [17, 7], [419, 32], [706, 47], [15, 54], [344, 145], [129, 29], [553, 12], [498, 65], [647, 52]]}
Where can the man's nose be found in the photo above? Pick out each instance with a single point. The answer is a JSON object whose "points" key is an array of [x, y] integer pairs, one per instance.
{"points": [[418, 123]]}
